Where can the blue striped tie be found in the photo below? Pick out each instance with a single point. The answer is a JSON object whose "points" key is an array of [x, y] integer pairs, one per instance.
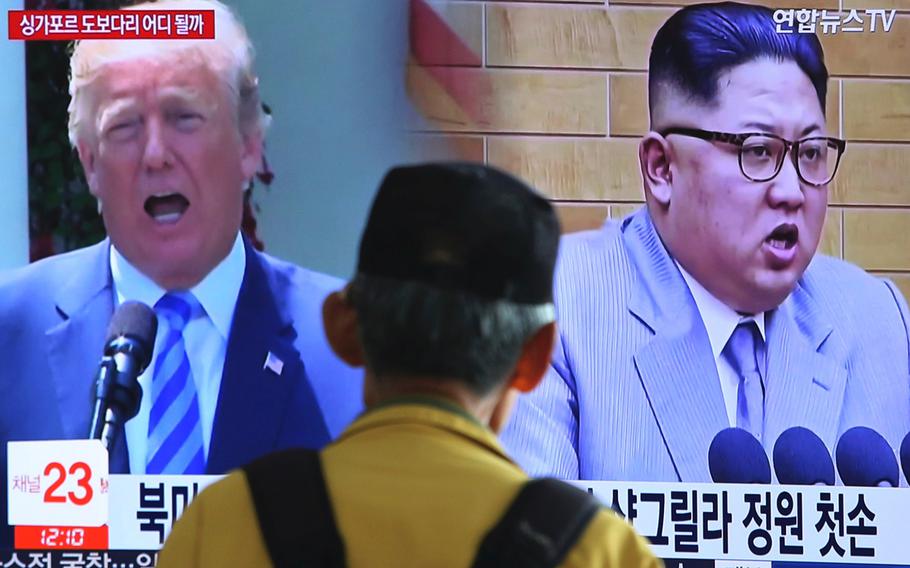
{"points": [[175, 432], [741, 352]]}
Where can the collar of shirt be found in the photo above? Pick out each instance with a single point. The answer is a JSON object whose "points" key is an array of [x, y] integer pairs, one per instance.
{"points": [[217, 292], [429, 411], [428, 400], [720, 319]]}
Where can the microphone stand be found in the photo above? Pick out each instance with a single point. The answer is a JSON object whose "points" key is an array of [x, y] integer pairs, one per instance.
{"points": [[117, 394], [102, 415]]}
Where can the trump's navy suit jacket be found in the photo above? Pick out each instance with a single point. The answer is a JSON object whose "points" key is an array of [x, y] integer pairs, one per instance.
{"points": [[633, 390], [53, 320]]}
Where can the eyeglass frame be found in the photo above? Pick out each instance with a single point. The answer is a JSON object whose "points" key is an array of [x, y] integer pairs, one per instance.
{"points": [[738, 139]]}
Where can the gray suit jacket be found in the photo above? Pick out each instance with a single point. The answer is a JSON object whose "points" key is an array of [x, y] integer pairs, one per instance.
{"points": [[633, 391]]}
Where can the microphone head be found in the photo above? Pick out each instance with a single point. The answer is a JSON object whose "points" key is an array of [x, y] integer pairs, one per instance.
{"points": [[905, 456], [864, 459], [735, 456], [801, 458], [136, 322]]}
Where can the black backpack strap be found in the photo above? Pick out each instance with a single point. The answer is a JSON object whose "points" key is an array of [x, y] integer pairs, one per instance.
{"points": [[540, 526], [294, 510]]}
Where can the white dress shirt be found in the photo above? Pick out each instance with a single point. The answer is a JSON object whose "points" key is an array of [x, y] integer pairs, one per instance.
{"points": [[205, 338], [720, 321]]}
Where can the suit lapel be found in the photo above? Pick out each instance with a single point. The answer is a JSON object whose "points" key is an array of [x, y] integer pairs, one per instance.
{"points": [[676, 368], [76, 344], [254, 397], [803, 386], [684, 391]]}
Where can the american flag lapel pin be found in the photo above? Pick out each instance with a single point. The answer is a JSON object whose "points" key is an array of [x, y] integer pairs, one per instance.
{"points": [[273, 364]]}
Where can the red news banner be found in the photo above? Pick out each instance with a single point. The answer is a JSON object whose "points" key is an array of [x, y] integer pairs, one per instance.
{"points": [[55, 25]]}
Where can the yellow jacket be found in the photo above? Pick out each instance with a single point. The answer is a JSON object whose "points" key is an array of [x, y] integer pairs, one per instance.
{"points": [[414, 483]]}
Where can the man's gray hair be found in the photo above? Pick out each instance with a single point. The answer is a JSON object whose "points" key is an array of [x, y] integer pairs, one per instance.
{"points": [[410, 328]]}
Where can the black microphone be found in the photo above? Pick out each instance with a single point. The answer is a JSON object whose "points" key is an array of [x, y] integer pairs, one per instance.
{"points": [[905, 456], [801, 458], [735, 456], [864, 459], [127, 352]]}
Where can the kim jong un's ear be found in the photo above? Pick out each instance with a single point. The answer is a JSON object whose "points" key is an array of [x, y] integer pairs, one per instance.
{"points": [[655, 158]]}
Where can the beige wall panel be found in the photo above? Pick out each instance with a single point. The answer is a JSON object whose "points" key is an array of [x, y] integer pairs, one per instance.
{"points": [[872, 174], [868, 53], [903, 5], [877, 110], [562, 36], [628, 104], [830, 243], [577, 170], [444, 147], [620, 210], [519, 102], [833, 115], [581, 217], [469, 148], [877, 239], [557, 103]]}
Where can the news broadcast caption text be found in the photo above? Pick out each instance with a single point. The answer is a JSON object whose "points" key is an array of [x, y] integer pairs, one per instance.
{"points": [[807, 21], [772, 523], [78, 559], [54, 25], [57, 483]]}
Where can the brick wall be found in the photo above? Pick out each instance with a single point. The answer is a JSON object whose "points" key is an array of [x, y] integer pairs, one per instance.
{"points": [[566, 103]]}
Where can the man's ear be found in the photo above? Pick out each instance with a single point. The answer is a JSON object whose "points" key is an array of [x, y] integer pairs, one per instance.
{"points": [[251, 157], [655, 158], [534, 359], [341, 328]]}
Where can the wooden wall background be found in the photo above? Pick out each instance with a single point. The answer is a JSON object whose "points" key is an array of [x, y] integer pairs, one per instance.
{"points": [[565, 104]]}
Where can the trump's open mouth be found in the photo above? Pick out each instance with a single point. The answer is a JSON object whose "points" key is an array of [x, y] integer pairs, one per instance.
{"points": [[784, 236], [166, 208]]}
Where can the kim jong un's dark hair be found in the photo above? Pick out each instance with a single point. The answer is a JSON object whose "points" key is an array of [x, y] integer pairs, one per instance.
{"points": [[700, 42]]}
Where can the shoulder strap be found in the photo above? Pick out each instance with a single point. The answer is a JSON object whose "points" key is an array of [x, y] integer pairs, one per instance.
{"points": [[294, 511], [540, 526]]}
